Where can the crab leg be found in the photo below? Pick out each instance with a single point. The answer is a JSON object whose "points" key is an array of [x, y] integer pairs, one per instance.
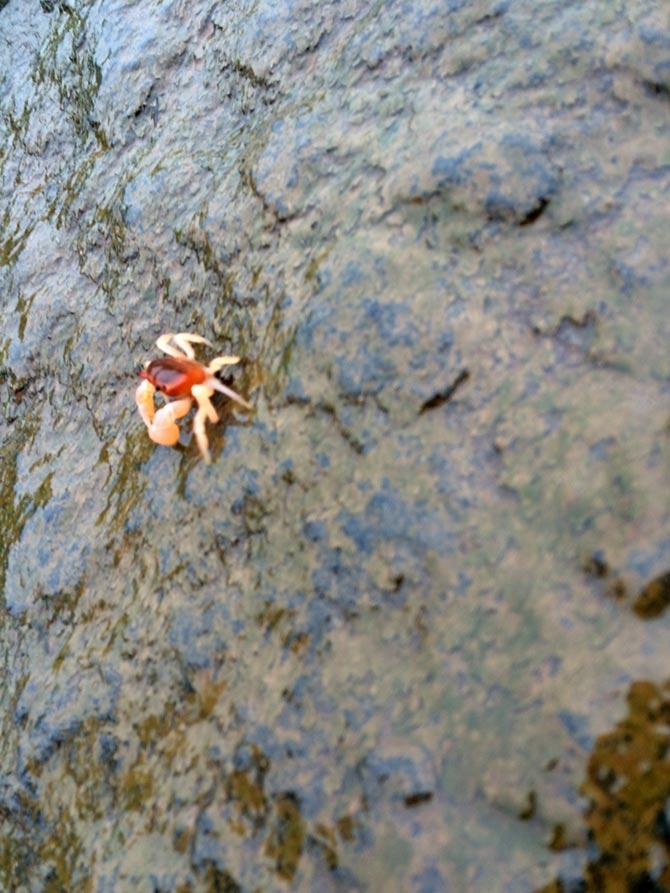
{"points": [[205, 411], [218, 362], [183, 341], [223, 389], [212, 382]]}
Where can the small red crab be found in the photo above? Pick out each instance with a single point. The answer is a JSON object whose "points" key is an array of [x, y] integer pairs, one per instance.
{"points": [[180, 376]]}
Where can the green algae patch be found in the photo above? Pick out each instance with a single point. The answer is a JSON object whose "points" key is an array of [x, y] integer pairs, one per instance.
{"points": [[136, 788], [12, 245], [14, 513], [78, 84], [654, 598], [247, 792], [129, 483], [627, 787], [286, 841]]}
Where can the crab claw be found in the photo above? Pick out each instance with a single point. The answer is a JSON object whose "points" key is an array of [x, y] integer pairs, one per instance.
{"points": [[161, 425], [164, 428], [144, 398]]}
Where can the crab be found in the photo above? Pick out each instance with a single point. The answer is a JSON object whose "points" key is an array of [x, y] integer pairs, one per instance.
{"points": [[182, 379]]}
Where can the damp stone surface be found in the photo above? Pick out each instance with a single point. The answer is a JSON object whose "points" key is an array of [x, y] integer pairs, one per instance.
{"points": [[395, 636]]}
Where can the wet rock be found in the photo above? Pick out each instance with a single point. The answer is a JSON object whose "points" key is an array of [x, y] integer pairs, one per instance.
{"points": [[341, 656], [402, 773]]}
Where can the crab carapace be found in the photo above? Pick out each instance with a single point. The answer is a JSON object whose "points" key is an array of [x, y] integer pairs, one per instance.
{"points": [[174, 376]]}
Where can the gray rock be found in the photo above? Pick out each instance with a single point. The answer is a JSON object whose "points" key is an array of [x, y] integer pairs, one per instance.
{"points": [[341, 656]]}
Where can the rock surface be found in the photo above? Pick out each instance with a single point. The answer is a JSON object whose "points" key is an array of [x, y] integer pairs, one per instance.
{"points": [[373, 646]]}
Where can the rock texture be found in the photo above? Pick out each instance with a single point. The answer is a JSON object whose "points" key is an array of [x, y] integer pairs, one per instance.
{"points": [[378, 644]]}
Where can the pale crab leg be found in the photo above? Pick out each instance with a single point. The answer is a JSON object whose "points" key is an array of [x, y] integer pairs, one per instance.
{"points": [[218, 362], [218, 386], [163, 343], [205, 411], [183, 341]]}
